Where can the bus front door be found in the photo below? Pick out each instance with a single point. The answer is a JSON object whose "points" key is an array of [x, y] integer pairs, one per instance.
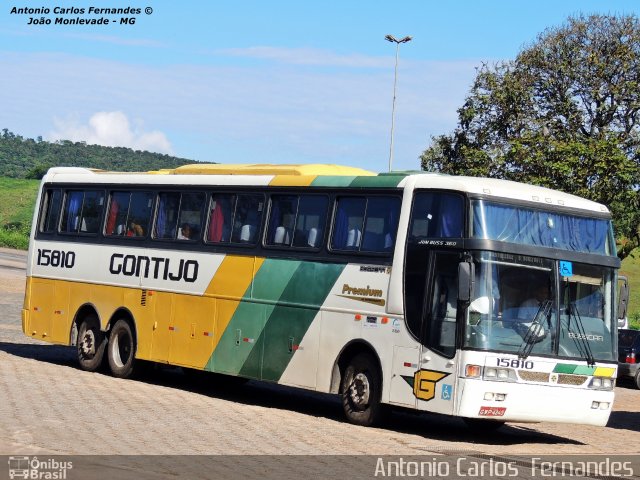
{"points": [[435, 379]]}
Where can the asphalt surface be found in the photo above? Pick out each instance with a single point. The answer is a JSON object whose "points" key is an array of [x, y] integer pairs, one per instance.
{"points": [[49, 406]]}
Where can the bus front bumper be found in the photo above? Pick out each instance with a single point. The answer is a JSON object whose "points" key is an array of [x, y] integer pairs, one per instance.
{"points": [[523, 402]]}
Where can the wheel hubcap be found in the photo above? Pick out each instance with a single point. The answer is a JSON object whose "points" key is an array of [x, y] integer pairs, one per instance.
{"points": [[88, 344], [359, 390]]}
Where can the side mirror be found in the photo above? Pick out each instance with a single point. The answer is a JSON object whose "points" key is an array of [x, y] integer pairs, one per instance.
{"points": [[466, 281], [623, 297]]}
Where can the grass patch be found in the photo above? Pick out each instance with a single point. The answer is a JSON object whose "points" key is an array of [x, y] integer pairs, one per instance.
{"points": [[631, 269], [17, 200], [14, 239]]}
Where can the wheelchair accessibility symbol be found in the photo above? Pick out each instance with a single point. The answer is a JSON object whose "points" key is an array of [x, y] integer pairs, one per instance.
{"points": [[447, 392], [566, 269]]}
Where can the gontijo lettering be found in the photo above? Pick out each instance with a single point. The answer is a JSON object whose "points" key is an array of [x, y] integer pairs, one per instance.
{"points": [[154, 267]]}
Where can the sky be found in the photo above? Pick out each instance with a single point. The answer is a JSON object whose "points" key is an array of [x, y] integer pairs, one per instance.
{"points": [[260, 81]]}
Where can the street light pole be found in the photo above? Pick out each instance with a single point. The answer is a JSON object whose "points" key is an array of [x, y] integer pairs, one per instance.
{"points": [[392, 39]]}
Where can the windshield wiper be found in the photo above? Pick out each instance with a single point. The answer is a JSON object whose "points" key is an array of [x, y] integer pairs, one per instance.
{"points": [[583, 347], [535, 331]]}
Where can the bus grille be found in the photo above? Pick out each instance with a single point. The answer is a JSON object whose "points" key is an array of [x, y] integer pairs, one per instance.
{"points": [[564, 379], [533, 376], [143, 298]]}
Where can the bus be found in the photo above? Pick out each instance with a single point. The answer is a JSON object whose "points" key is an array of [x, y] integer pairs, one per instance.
{"points": [[480, 298]]}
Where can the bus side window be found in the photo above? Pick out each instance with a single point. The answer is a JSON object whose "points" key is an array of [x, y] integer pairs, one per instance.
{"points": [[117, 214], [282, 220], [129, 214], [347, 230], [92, 211], [248, 216], [50, 214], [190, 216], [167, 218], [83, 211], [366, 224], [381, 224], [220, 218], [310, 221], [297, 221], [436, 215]]}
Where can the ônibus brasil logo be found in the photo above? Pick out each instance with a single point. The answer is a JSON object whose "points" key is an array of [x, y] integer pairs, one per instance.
{"points": [[33, 468]]}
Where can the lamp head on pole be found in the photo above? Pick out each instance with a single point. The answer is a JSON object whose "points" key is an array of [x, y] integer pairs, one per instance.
{"points": [[391, 38]]}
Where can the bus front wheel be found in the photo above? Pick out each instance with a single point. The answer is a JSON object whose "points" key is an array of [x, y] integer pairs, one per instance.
{"points": [[90, 344], [121, 350], [361, 391]]}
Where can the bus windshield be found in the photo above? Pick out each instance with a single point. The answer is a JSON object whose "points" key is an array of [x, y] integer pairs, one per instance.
{"points": [[526, 226], [516, 305]]}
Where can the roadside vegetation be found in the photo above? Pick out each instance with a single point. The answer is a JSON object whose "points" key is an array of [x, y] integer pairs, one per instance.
{"points": [[631, 269], [24, 161], [17, 201]]}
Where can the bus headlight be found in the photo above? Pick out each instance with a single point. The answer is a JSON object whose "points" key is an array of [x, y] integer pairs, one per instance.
{"points": [[602, 383], [499, 374]]}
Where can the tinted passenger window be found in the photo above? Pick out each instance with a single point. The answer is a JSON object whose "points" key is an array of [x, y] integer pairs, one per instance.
{"points": [[436, 215], [366, 224], [297, 220], [221, 211], [50, 214], [82, 211], [179, 216], [246, 222], [129, 214]]}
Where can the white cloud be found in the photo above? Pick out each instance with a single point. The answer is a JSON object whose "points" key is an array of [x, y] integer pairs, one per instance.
{"points": [[272, 112], [111, 129]]}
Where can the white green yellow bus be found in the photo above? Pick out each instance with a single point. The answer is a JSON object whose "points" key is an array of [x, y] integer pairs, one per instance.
{"points": [[485, 299]]}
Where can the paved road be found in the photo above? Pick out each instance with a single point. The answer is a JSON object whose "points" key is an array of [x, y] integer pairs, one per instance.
{"points": [[48, 406]]}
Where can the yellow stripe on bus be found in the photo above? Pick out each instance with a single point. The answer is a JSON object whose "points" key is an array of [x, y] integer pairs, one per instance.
{"points": [[229, 284], [604, 372], [292, 180]]}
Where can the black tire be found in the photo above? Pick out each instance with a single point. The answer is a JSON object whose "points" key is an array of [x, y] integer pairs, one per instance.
{"points": [[637, 379], [361, 391], [482, 425], [90, 344], [121, 350]]}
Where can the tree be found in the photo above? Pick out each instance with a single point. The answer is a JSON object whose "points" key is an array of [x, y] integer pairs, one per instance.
{"points": [[564, 114]]}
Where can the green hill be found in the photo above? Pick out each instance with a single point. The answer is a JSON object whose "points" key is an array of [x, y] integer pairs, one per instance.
{"points": [[28, 158], [17, 200]]}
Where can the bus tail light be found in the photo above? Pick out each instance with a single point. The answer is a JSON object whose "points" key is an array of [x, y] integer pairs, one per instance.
{"points": [[472, 371]]}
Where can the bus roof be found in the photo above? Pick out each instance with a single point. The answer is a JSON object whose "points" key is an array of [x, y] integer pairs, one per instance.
{"points": [[326, 175], [269, 169]]}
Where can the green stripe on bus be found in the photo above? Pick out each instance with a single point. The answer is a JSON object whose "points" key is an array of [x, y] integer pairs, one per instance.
{"points": [[379, 181], [287, 325], [584, 370], [240, 338], [332, 181], [564, 368]]}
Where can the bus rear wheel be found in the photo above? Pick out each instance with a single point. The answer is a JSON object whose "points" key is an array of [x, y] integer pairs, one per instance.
{"points": [[361, 391], [121, 350], [90, 344]]}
